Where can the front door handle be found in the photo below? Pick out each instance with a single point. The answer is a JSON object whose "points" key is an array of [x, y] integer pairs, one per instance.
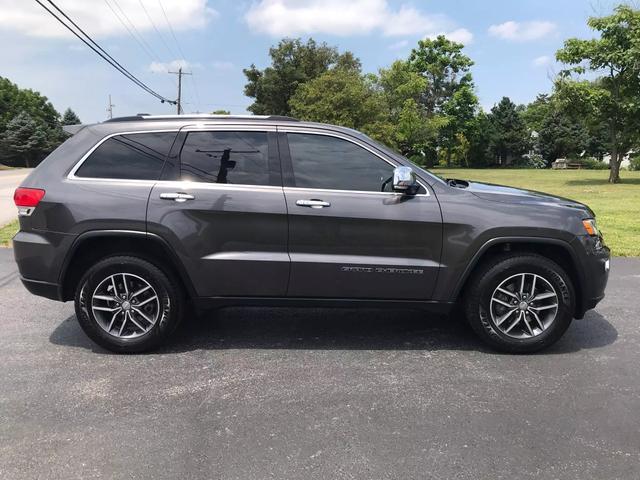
{"points": [[177, 196], [313, 203]]}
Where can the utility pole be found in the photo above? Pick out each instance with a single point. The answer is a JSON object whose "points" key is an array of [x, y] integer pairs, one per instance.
{"points": [[110, 107], [180, 73]]}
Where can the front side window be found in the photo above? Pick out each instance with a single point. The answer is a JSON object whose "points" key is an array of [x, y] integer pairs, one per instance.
{"points": [[324, 162], [137, 156], [239, 158]]}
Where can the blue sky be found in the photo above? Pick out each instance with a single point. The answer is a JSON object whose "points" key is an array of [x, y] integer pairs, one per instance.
{"points": [[512, 43]]}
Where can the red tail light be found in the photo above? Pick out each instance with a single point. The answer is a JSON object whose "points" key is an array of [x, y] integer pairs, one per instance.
{"points": [[28, 197]]}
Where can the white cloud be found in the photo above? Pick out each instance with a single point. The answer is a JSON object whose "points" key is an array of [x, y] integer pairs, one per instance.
{"points": [[460, 35], [337, 17], [541, 61], [173, 66], [522, 31], [98, 20]]}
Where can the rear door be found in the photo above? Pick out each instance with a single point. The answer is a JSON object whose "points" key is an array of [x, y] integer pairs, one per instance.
{"points": [[221, 207], [347, 237]]}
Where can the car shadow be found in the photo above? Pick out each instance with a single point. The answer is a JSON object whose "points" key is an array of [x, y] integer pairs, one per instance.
{"points": [[337, 329]]}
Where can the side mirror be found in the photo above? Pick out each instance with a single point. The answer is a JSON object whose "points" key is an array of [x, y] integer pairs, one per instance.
{"points": [[404, 181]]}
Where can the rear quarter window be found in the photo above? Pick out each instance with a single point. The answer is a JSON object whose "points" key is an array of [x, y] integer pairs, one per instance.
{"points": [[137, 156]]}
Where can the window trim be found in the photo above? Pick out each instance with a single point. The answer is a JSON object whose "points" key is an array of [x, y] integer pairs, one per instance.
{"points": [[72, 173], [287, 165]]}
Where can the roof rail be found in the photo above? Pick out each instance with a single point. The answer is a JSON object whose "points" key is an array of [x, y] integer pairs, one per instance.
{"points": [[144, 117]]}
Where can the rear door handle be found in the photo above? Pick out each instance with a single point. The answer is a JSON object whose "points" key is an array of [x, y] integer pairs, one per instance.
{"points": [[313, 203], [177, 196]]}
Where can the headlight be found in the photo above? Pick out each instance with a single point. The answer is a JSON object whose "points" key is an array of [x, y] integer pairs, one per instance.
{"points": [[590, 226]]}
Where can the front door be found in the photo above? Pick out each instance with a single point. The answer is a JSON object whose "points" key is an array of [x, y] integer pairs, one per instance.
{"points": [[347, 238], [223, 211]]}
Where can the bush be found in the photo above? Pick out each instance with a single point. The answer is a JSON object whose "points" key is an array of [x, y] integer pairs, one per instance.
{"points": [[531, 160], [591, 163], [634, 162]]}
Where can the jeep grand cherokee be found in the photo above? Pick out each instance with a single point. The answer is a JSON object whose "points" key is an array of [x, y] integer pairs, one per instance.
{"points": [[137, 218]]}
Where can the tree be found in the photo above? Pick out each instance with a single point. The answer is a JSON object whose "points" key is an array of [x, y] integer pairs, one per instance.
{"points": [[447, 93], [15, 100], [221, 112], [511, 138], [561, 136], [480, 134], [444, 67], [459, 111], [536, 113], [69, 117], [342, 96], [24, 141], [293, 63], [614, 97], [413, 132]]}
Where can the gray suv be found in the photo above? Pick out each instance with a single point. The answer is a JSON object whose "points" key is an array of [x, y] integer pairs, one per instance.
{"points": [[138, 219]]}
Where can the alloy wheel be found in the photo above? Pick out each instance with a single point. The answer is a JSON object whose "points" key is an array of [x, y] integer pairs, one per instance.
{"points": [[524, 305], [125, 305]]}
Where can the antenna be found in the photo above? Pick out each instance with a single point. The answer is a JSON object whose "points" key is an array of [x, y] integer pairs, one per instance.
{"points": [[110, 107]]}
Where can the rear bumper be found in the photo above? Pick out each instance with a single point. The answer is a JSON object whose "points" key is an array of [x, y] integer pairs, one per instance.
{"points": [[43, 289], [39, 257]]}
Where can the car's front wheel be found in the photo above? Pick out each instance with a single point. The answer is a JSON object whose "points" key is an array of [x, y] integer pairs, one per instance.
{"points": [[520, 303], [126, 304]]}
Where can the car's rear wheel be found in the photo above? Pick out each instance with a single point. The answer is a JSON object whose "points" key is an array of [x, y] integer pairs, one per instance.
{"points": [[127, 304], [520, 303]]}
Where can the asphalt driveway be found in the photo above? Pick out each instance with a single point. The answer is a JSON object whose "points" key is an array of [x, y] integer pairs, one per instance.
{"points": [[327, 394]]}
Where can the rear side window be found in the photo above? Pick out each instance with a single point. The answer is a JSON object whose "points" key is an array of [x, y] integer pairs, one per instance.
{"points": [[239, 158], [137, 156]]}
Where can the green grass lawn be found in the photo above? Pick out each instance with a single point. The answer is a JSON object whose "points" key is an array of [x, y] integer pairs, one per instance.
{"points": [[616, 206], [7, 232]]}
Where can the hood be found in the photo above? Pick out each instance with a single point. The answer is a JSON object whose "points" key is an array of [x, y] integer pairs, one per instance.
{"points": [[511, 195]]}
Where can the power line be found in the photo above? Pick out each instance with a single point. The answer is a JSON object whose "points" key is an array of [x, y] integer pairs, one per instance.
{"points": [[153, 52], [175, 39], [156, 29], [141, 43], [89, 42]]}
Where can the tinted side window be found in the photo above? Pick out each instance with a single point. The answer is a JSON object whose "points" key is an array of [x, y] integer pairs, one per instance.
{"points": [[321, 161], [138, 156], [239, 158]]}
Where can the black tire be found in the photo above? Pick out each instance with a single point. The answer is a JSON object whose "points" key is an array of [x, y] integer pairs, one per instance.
{"points": [[491, 274], [170, 304]]}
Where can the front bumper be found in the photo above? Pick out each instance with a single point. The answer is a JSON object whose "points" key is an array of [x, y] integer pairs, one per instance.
{"points": [[595, 261]]}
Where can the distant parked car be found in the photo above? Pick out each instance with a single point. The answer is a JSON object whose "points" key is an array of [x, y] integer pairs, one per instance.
{"points": [[135, 217]]}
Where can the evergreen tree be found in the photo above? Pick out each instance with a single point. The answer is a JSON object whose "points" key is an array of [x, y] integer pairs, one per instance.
{"points": [[69, 117], [24, 141]]}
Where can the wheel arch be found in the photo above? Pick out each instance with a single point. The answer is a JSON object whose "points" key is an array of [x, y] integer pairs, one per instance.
{"points": [[91, 246], [554, 249]]}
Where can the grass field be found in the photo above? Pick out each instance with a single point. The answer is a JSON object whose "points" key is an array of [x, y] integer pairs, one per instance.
{"points": [[617, 207], [7, 232]]}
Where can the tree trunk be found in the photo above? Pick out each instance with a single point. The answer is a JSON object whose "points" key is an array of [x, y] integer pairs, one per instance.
{"points": [[614, 162], [448, 158], [614, 173]]}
